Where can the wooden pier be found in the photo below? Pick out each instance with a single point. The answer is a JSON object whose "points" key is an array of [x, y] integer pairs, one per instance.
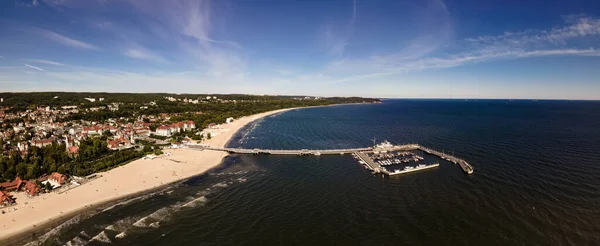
{"points": [[283, 152], [361, 153]]}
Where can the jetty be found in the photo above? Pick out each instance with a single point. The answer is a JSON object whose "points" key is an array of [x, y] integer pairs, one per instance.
{"points": [[283, 152], [362, 154]]}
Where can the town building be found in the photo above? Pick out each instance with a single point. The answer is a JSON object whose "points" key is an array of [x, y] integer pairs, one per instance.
{"points": [[42, 142], [118, 143], [12, 186], [57, 178], [31, 188], [163, 131], [6, 199]]}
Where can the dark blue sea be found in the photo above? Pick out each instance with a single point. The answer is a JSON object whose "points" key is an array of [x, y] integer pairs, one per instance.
{"points": [[536, 182]]}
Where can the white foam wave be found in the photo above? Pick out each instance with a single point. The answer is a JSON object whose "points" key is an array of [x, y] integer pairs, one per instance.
{"points": [[101, 237], [143, 222], [196, 202], [76, 241], [121, 225], [121, 235], [221, 185], [152, 219], [55, 231]]}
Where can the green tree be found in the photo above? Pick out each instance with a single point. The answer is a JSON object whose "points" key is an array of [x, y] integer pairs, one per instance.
{"points": [[208, 136], [52, 168], [61, 169]]}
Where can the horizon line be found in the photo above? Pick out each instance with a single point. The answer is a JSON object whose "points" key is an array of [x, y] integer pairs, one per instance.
{"points": [[290, 95]]}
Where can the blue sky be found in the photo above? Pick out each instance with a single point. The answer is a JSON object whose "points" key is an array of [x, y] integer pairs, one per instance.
{"points": [[406, 49]]}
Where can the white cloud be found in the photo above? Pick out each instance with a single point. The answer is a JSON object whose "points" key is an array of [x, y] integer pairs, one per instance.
{"points": [[48, 62], [530, 43], [66, 40], [34, 67], [335, 43], [189, 28], [578, 28], [284, 71], [143, 55]]}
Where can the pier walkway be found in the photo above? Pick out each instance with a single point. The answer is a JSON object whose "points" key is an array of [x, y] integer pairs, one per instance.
{"points": [[283, 152], [466, 167], [359, 152]]}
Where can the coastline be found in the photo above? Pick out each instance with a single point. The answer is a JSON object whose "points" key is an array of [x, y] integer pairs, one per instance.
{"points": [[133, 179]]}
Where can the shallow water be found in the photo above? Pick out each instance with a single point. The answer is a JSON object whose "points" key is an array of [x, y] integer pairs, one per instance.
{"points": [[536, 181]]}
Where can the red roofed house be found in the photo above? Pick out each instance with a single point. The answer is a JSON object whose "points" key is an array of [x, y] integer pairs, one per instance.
{"points": [[31, 188], [73, 150], [42, 143], [163, 131], [11, 186], [58, 178], [5, 199], [190, 124], [175, 128], [119, 142]]}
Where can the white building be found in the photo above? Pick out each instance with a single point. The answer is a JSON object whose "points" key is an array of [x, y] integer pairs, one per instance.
{"points": [[229, 120], [90, 99], [163, 131]]}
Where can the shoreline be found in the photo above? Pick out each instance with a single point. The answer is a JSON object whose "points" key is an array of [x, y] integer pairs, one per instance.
{"points": [[119, 183]]}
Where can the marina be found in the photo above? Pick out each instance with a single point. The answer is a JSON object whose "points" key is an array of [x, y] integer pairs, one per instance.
{"points": [[384, 158]]}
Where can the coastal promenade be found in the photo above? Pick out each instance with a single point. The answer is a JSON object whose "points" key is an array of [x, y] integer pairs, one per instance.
{"points": [[361, 153]]}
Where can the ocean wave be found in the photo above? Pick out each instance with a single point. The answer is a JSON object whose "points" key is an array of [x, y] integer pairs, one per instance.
{"points": [[101, 237], [55, 231], [196, 202], [76, 241]]}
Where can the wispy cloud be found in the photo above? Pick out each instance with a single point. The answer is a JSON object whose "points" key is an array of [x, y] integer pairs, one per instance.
{"points": [[1, 57], [284, 71], [337, 37], [143, 55], [27, 3], [559, 41], [190, 25], [577, 28], [66, 40], [48, 62], [34, 67]]}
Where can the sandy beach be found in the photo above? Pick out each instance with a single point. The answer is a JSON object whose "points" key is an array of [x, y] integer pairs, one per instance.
{"points": [[127, 180]]}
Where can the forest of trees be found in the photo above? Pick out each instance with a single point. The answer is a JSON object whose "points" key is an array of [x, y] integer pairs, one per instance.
{"points": [[22, 101], [94, 156]]}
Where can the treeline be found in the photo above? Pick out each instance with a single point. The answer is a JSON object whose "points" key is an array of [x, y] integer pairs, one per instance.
{"points": [[94, 156], [115, 158], [209, 112], [25, 100]]}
